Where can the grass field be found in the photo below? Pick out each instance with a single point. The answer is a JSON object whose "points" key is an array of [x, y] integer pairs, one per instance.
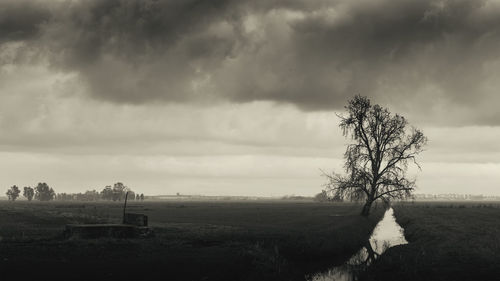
{"points": [[448, 241], [193, 241]]}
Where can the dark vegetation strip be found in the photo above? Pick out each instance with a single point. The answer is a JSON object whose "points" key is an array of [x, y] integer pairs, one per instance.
{"points": [[448, 241], [194, 241]]}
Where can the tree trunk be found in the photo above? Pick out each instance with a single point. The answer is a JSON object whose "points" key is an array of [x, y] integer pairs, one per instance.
{"points": [[366, 208]]}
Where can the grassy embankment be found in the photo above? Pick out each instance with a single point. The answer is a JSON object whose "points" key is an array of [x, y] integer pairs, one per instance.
{"points": [[193, 241], [448, 241]]}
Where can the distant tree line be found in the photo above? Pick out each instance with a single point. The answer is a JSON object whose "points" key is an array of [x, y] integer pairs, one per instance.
{"points": [[324, 196], [43, 192], [116, 192]]}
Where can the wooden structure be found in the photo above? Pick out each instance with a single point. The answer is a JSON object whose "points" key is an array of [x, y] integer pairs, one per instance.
{"points": [[135, 219], [133, 226]]}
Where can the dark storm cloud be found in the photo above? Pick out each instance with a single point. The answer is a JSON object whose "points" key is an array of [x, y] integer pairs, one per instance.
{"points": [[418, 42], [314, 54], [391, 50], [20, 20]]}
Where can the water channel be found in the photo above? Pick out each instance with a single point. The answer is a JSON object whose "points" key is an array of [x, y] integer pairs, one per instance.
{"points": [[387, 233]]}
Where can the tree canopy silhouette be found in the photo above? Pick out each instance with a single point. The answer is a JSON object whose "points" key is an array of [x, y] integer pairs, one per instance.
{"points": [[43, 192], [29, 193], [13, 193], [377, 160]]}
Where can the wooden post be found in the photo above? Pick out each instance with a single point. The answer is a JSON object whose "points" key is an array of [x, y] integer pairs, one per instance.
{"points": [[125, 206]]}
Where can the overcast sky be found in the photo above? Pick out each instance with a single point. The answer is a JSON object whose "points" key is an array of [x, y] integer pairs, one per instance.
{"points": [[239, 97]]}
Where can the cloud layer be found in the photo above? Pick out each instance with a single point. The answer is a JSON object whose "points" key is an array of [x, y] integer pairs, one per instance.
{"points": [[238, 96], [420, 57]]}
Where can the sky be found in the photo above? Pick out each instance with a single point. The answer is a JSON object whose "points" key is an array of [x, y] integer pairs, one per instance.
{"points": [[239, 97]]}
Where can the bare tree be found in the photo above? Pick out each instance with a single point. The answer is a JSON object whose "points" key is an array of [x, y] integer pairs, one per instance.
{"points": [[377, 160]]}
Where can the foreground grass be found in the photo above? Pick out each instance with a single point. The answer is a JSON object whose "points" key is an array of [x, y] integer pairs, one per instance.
{"points": [[194, 240], [448, 241]]}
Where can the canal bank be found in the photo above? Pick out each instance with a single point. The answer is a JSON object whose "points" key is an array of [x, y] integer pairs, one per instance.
{"points": [[387, 233], [447, 241]]}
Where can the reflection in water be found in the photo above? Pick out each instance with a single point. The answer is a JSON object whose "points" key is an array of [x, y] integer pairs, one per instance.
{"points": [[386, 234]]}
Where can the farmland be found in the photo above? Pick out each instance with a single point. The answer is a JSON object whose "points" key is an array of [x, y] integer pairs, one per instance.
{"points": [[258, 240], [447, 241]]}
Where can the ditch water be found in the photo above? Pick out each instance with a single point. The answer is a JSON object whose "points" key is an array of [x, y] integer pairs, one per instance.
{"points": [[387, 233]]}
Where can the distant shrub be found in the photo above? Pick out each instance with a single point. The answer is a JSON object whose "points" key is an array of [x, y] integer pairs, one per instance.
{"points": [[324, 197], [13, 193], [29, 193]]}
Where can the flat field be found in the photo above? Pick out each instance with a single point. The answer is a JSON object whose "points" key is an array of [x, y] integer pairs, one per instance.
{"points": [[447, 241], [263, 240]]}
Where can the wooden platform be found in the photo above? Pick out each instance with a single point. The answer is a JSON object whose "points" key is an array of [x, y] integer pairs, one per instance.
{"points": [[135, 219], [93, 231]]}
